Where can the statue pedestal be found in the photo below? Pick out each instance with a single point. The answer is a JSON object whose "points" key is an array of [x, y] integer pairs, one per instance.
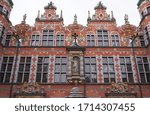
{"points": [[75, 78]]}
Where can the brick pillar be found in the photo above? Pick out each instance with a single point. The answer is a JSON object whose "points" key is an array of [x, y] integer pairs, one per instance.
{"points": [[33, 68], [51, 69], [117, 68], [100, 77]]}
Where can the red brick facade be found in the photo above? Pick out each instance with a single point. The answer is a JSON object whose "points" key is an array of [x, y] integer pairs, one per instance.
{"points": [[105, 53]]}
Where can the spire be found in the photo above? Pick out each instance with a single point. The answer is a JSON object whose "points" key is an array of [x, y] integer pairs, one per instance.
{"points": [[100, 6], [61, 15], [38, 16], [89, 17], [112, 16], [75, 19], [126, 18]]}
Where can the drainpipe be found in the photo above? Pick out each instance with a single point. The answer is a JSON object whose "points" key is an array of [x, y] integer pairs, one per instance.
{"points": [[134, 55]]}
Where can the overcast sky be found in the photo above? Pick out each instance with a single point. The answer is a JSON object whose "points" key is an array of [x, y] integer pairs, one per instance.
{"points": [[72, 7]]}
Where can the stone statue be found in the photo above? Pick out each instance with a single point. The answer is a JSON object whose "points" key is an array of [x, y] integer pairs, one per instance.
{"points": [[75, 69], [126, 18], [24, 18]]}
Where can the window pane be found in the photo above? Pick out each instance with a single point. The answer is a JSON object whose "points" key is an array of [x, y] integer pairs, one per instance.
{"points": [[1, 77], [87, 68], [122, 60], [44, 80], [22, 60], [58, 60], [11, 59], [9, 67], [148, 77], [130, 77], [93, 68], [111, 68], [93, 60], [123, 69], [105, 68], [147, 69], [128, 60], [40, 60], [57, 68], [104, 60], [26, 77], [19, 79], [38, 77], [145, 60], [63, 68], [7, 78], [64, 60], [129, 68], [139, 60], [142, 76], [3, 67], [45, 68], [57, 77], [141, 68], [39, 67], [87, 60], [63, 77], [27, 68], [46, 60]]}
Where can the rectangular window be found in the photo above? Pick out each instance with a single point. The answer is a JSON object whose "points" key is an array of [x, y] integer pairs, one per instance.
{"points": [[60, 69], [7, 41], [108, 70], [148, 9], [90, 41], [142, 41], [48, 38], [2, 32], [126, 69], [24, 69], [42, 69], [102, 36], [6, 69], [143, 69], [1, 8], [90, 70], [35, 40], [60, 40], [147, 35], [115, 40]]}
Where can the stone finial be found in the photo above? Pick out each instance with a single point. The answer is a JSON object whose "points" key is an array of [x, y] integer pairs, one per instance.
{"points": [[61, 15], [24, 18], [126, 18], [75, 19], [38, 16]]}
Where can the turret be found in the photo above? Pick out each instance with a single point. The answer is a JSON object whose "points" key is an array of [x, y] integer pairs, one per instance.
{"points": [[144, 10]]}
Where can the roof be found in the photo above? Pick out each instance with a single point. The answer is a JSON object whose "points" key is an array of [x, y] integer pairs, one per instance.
{"points": [[10, 2], [100, 6]]}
